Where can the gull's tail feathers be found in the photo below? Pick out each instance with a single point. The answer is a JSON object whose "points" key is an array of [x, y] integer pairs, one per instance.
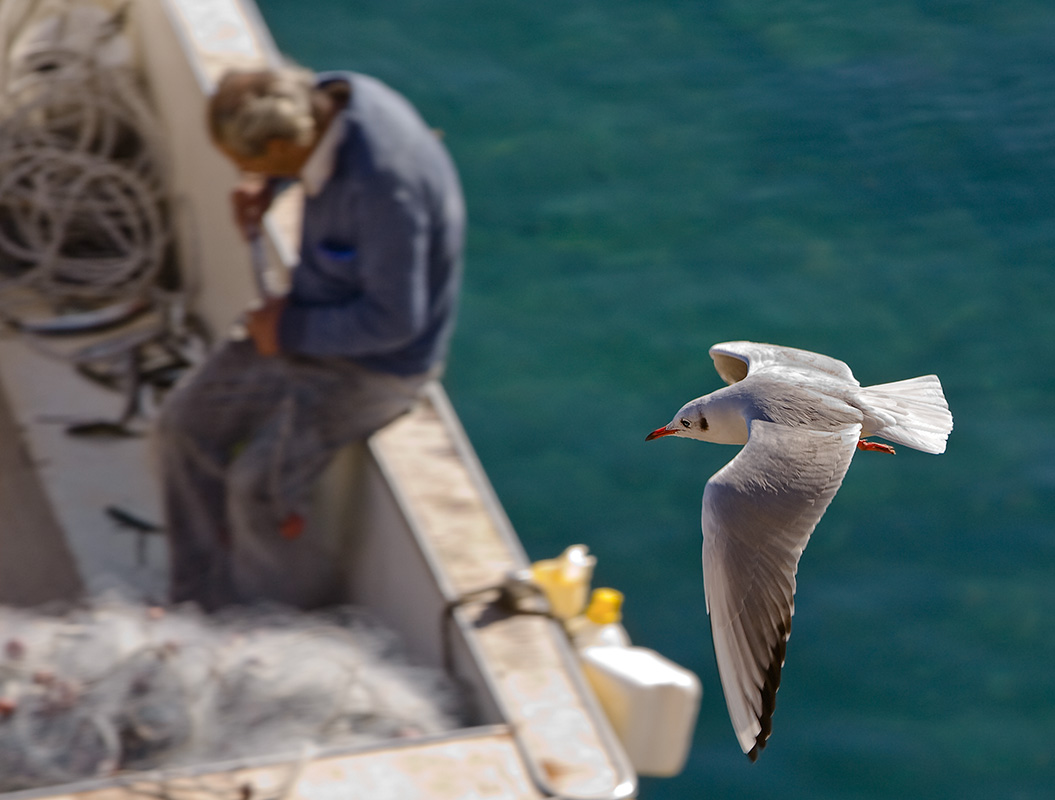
{"points": [[912, 412]]}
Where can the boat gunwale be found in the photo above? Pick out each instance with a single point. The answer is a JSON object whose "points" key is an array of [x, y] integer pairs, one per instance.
{"points": [[306, 752]]}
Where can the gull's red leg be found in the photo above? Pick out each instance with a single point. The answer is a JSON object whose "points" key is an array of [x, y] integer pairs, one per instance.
{"points": [[881, 448]]}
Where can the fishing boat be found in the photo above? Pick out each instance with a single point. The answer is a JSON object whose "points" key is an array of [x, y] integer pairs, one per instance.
{"points": [[86, 354]]}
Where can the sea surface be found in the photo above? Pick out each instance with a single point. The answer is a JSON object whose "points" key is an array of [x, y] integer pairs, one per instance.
{"points": [[871, 179]]}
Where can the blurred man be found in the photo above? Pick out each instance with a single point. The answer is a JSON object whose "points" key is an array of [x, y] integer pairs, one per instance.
{"points": [[365, 325]]}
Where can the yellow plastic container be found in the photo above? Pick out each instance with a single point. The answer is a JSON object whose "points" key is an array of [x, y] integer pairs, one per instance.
{"points": [[601, 623], [566, 580]]}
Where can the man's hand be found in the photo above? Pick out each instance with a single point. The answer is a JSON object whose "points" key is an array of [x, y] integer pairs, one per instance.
{"points": [[262, 325], [249, 201]]}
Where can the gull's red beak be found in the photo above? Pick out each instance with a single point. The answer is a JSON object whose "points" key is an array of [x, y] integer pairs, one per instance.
{"points": [[664, 431]]}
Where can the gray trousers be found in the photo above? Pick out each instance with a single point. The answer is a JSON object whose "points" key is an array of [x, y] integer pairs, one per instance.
{"points": [[242, 443]]}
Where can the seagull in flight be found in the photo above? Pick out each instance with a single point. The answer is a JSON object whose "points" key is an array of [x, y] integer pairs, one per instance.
{"points": [[800, 417]]}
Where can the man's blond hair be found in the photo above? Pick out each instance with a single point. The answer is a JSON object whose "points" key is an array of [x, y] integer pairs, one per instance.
{"points": [[251, 107]]}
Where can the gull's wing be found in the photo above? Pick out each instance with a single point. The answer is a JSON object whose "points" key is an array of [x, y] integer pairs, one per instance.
{"points": [[734, 360], [758, 513]]}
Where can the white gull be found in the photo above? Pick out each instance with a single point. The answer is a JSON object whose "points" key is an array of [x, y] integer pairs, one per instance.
{"points": [[800, 416]]}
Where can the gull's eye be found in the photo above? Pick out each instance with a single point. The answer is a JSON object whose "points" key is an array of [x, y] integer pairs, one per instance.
{"points": [[685, 423]]}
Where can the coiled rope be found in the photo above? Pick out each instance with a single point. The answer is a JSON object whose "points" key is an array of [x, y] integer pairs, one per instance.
{"points": [[83, 200]]}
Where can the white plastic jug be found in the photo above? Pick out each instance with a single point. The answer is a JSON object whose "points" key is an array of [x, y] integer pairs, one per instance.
{"points": [[651, 702]]}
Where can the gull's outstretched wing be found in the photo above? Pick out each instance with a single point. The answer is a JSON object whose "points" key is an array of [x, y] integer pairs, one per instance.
{"points": [[734, 360], [758, 513]]}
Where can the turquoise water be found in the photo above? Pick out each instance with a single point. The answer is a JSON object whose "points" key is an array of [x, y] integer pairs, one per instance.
{"points": [[872, 180]]}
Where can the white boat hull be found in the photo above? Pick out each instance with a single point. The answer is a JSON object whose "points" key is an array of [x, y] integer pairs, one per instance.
{"points": [[411, 512]]}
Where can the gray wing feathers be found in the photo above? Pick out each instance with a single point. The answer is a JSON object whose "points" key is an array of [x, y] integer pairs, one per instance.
{"points": [[758, 513], [733, 360]]}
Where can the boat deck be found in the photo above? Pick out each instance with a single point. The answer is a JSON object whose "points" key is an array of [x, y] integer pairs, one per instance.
{"points": [[551, 738]]}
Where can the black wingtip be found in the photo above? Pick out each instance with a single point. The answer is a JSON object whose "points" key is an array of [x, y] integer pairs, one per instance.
{"points": [[769, 694]]}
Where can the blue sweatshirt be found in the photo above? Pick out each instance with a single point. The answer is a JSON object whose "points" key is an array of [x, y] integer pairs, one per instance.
{"points": [[381, 250]]}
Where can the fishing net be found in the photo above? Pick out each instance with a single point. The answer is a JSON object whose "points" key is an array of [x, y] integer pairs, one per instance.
{"points": [[113, 687]]}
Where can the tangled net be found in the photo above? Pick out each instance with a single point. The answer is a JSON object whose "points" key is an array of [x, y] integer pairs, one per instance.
{"points": [[114, 686], [82, 183]]}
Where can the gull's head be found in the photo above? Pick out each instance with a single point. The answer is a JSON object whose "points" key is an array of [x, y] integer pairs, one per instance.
{"points": [[717, 417], [690, 422]]}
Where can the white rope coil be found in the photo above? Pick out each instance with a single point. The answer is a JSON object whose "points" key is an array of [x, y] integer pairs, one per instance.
{"points": [[82, 182]]}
